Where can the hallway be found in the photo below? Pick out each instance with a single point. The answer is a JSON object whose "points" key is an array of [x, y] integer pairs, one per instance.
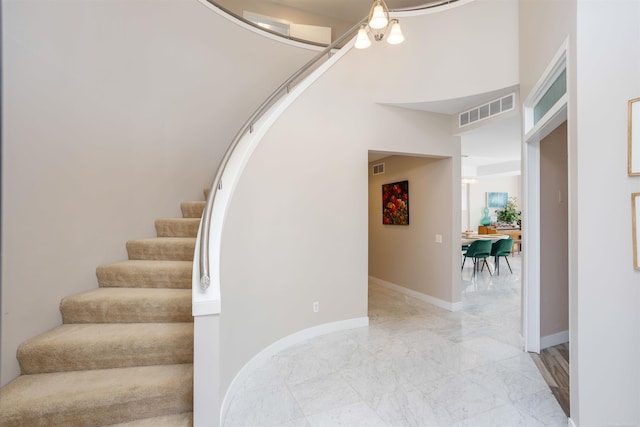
{"points": [[416, 365]]}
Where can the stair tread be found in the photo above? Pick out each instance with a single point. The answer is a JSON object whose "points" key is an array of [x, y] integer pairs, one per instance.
{"points": [[184, 419], [107, 345], [146, 273], [97, 397], [177, 227], [126, 305], [165, 240], [162, 248]]}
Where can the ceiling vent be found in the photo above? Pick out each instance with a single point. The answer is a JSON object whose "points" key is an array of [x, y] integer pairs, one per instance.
{"points": [[490, 109], [378, 169]]}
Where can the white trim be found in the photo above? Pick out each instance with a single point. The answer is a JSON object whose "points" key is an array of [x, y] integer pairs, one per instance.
{"points": [[551, 120], [531, 184], [282, 344], [554, 339], [451, 306], [556, 66], [205, 308], [531, 247], [571, 423]]}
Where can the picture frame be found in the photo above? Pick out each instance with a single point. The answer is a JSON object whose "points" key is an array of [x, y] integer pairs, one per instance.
{"points": [[497, 200], [635, 226], [395, 203], [634, 137]]}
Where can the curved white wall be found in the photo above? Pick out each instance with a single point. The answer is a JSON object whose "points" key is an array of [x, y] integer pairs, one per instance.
{"points": [[114, 112], [296, 229]]}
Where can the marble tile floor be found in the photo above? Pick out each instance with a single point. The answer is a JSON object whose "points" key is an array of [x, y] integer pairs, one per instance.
{"points": [[415, 365]]}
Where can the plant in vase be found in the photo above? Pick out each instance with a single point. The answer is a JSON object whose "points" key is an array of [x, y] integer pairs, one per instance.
{"points": [[509, 214]]}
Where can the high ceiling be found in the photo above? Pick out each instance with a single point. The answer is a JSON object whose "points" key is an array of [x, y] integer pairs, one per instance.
{"points": [[495, 143], [347, 10]]}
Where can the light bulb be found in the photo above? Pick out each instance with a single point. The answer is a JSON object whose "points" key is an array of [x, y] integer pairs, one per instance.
{"points": [[378, 18], [362, 41], [395, 35]]}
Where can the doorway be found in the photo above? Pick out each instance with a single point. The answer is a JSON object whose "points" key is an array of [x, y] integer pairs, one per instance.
{"points": [[547, 224]]}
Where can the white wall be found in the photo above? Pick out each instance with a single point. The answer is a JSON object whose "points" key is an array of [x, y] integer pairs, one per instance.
{"points": [[604, 297], [114, 112], [608, 304], [408, 256]]}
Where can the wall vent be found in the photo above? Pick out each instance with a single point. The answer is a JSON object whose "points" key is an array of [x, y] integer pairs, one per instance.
{"points": [[378, 169], [490, 109]]}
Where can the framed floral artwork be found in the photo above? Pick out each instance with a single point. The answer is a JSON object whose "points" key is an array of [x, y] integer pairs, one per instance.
{"points": [[395, 203]]}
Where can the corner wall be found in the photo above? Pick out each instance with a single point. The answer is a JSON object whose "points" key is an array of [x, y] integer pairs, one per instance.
{"points": [[113, 113], [409, 256]]}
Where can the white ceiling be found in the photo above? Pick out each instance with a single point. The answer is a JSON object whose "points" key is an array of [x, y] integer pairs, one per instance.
{"points": [[494, 143]]}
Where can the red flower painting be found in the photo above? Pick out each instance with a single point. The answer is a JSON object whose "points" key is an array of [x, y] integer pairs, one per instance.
{"points": [[395, 203]]}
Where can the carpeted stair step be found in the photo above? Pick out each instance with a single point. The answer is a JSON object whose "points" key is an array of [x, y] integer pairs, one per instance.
{"points": [[97, 397], [162, 248], [177, 420], [146, 274], [127, 305], [192, 209], [112, 345], [177, 227]]}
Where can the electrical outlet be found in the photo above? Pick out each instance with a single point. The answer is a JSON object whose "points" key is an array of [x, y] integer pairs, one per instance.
{"points": [[438, 238], [316, 307]]}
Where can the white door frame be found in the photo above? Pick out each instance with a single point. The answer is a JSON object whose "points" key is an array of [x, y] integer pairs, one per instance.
{"points": [[533, 134]]}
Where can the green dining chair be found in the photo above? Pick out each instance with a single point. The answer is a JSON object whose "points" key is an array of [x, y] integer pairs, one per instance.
{"points": [[502, 248], [480, 249]]}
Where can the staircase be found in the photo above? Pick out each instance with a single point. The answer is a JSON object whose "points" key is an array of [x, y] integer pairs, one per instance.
{"points": [[124, 354]]}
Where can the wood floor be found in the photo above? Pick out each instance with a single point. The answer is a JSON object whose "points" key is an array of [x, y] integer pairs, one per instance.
{"points": [[553, 363]]}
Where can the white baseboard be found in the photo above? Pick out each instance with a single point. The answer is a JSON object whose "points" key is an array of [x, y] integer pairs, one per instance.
{"points": [[451, 306], [571, 423], [283, 344], [554, 339]]}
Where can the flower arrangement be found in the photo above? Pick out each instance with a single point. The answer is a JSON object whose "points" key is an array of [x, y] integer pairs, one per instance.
{"points": [[510, 213], [395, 203]]}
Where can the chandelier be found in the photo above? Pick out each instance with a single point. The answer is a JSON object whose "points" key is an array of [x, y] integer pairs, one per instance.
{"points": [[378, 25]]}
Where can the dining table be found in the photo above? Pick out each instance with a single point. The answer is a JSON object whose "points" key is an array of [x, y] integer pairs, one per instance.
{"points": [[467, 239]]}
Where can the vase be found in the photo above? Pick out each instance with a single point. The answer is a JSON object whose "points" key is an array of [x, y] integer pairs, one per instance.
{"points": [[485, 219]]}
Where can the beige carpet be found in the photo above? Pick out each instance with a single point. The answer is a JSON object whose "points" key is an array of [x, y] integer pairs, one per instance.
{"points": [[124, 355]]}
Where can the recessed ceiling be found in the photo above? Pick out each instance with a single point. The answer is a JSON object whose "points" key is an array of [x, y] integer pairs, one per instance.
{"points": [[459, 105], [347, 10]]}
